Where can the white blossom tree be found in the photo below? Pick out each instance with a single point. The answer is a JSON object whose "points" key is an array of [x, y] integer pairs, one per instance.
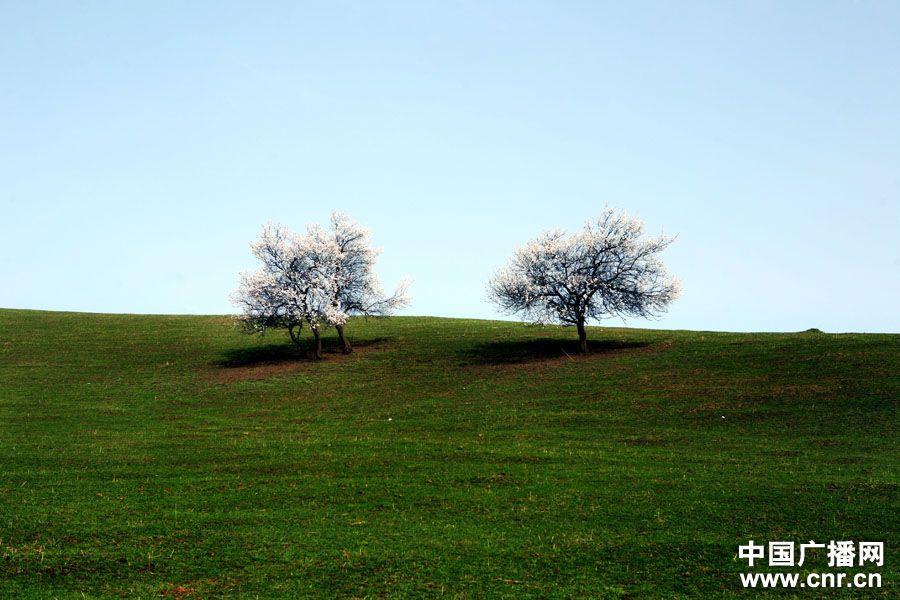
{"points": [[346, 258], [607, 269], [319, 278]]}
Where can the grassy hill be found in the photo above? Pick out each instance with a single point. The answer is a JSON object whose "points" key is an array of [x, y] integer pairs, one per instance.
{"points": [[173, 456]]}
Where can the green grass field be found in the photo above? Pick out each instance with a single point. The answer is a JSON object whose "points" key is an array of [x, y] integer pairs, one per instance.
{"points": [[173, 456]]}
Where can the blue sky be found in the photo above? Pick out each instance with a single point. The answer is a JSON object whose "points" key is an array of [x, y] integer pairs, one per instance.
{"points": [[145, 143]]}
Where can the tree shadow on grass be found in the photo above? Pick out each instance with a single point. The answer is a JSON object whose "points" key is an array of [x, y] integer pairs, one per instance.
{"points": [[525, 351], [275, 354]]}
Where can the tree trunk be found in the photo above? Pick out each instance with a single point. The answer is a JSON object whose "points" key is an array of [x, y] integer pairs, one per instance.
{"points": [[346, 348], [294, 337], [582, 337], [318, 342]]}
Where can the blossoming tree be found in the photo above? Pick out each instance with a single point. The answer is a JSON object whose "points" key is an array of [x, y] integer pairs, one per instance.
{"points": [[607, 269], [319, 278]]}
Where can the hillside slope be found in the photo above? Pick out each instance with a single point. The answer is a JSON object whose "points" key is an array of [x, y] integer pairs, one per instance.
{"points": [[173, 456]]}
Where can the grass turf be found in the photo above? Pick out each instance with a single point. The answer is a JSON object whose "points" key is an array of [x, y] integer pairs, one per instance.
{"points": [[173, 456]]}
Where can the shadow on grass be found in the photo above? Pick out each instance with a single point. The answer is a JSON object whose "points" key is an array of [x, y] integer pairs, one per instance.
{"points": [[274, 354], [518, 352]]}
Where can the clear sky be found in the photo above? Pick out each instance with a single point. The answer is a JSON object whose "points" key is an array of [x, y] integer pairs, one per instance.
{"points": [[143, 145]]}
